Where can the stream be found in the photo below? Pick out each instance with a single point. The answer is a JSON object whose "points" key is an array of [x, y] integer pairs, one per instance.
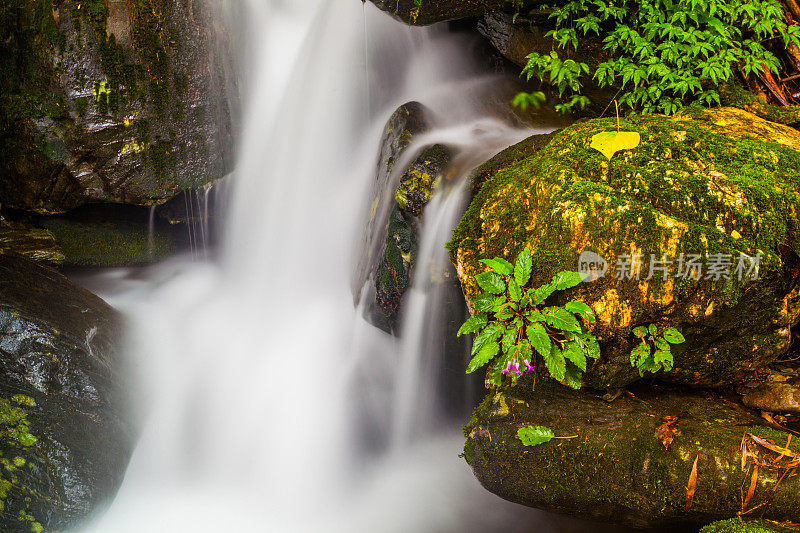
{"points": [[267, 402]]}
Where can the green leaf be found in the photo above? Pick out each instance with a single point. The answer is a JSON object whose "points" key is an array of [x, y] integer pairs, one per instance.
{"points": [[505, 313], [524, 350], [664, 359], [509, 339], [491, 282], [573, 377], [514, 291], [640, 354], [499, 302], [574, 353], [523, 267], [640, 331], [560, 318], [484, 356], [541, 294], [484, 301], [610, 142], [499, 265], [535, 435], [539, 338], [589, 344], [566, 280], [473, 324], [662, 344], [535, 316], [555, 363], [495, 376], [652, 329], [489, 334], [583, 310], [673, 336]]}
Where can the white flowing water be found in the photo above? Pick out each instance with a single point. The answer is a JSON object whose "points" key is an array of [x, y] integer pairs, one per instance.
{"points": [[268, 403]]}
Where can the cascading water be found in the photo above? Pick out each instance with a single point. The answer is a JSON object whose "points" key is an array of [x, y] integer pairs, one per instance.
{"points": [[250, 370]]}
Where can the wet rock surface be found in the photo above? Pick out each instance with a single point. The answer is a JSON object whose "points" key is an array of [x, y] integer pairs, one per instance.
{"points": [[120, 101], [430, 11], [776, 396], [64, 435], [614, 465], [34, 243], [705, 183]]}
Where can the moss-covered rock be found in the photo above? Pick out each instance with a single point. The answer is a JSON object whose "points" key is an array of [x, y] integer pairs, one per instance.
{"points": [[65, 437], [34, 243], [424, 12], [706, 182], [614, 467], [109, 100], [736, 525]]}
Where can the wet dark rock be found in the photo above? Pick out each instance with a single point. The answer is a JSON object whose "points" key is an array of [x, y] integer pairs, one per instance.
{"points": [[775, 396], [112, 101], [34, 243], [614, 467], [430, 11], [64, 434]]}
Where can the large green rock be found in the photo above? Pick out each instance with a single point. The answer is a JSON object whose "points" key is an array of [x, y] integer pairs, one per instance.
{"points": [[65, 436], [429, 11], [110, 100], [613, 466], [737, 525], [706, 182]]}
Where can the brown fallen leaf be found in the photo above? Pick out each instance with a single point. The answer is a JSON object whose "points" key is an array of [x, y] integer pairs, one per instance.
{"points": [[691, 487], [752, 489], [768, 444], [666, 431]]}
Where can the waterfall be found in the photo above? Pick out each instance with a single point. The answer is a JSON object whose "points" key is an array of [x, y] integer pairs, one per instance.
{"points": [[260, 386]]}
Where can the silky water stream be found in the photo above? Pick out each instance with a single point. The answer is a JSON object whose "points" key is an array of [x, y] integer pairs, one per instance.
{"points": [[268, 403]]}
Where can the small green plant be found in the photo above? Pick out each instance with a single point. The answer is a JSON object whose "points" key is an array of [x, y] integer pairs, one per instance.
{"points": [[654, 352], [662, 54], [536, 435], [513, 326]]}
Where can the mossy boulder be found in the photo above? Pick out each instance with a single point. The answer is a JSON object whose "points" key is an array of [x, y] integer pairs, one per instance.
{"points": [[34, 243], [65, 437], [423, 12], [614, 466], [110, 101], [737, 525], [719, 183]]}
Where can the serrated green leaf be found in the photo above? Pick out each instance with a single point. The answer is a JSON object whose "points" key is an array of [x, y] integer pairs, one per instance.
{"points": [[535, 435], [523, 267], [539, 338], [673, 336], [509, 339], [535, 316], [640, 331], [524, 350], [491, 282], [495, 375], [484, 356], [574, 353], [473, 324], [583, 310], [640, 354], [514, 291], [566, 280], [483, 301], [542, 293], [499, 265], [499, 302], [505, 313], [556, 363], [573, 377], [562, 319], [489, 334]]}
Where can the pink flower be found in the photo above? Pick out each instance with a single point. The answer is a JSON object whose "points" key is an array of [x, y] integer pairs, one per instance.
{"points": [[531, 368]]}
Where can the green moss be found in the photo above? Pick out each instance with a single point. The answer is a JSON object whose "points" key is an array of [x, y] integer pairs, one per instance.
{"points": [[16, 439], [107, 245], [736, 525]]}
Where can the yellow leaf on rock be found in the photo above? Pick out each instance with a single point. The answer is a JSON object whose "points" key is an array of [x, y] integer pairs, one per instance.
{"points": [[609, 143]]}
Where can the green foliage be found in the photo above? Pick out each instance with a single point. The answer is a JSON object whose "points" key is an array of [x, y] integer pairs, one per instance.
{"points": [[654, 352], [662, 54], [514, 326], [535, 435]]}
